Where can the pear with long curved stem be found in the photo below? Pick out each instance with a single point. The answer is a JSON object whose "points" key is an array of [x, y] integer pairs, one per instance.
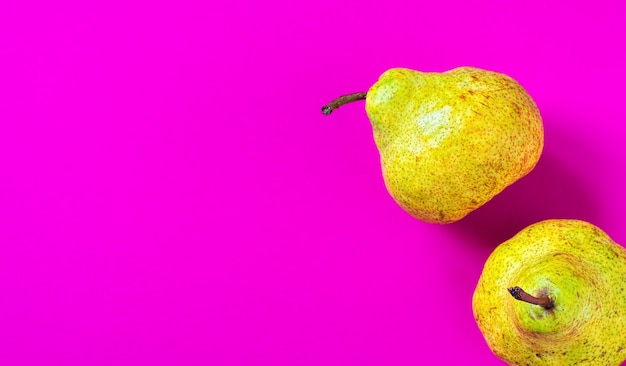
{"points": [[344, 99], [574, 312], [451, 141]]}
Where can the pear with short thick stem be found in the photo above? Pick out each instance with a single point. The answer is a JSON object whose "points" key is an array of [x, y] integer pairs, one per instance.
{"points": [[555, 294], [450, 141]]}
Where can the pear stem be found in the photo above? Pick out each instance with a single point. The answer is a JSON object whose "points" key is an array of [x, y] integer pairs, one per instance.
{"points": [[345, 99], [519, 294]]}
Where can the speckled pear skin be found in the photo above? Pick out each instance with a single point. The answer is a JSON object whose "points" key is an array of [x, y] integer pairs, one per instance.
{"points": [[578, 266], [449, 142]]}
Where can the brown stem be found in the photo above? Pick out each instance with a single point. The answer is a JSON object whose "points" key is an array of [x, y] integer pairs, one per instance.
{"points": [[522, 295], [345, 99]]}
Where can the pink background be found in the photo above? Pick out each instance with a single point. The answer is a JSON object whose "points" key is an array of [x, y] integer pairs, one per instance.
{"points": [[172, 195]]}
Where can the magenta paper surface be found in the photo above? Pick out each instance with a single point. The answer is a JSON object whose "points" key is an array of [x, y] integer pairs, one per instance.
{"points": [[172, 195]]}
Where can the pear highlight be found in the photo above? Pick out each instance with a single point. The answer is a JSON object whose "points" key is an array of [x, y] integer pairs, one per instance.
{"points": [[574, 312], [449, 142]]}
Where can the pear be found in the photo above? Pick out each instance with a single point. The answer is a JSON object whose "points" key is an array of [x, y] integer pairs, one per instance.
{"points": [[450, 141], [555, 294]]}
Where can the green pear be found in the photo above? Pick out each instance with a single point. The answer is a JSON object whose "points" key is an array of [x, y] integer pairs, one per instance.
{"points": [[554, 295], [451, 141]]}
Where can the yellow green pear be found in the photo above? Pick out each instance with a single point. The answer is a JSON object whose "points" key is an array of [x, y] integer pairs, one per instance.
{"points": [[450, 141], [555, 294]]}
